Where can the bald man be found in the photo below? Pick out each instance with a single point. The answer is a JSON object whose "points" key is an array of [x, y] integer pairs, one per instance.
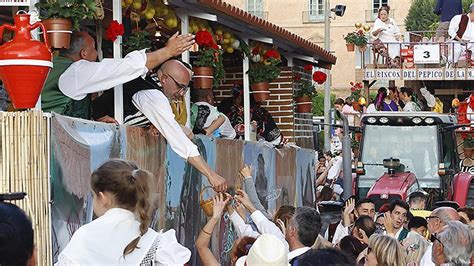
{"points": [[436, 221], [153, 107]]}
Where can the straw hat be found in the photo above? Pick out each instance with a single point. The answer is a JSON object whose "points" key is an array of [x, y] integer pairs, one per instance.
{"points": [[267, 250]]}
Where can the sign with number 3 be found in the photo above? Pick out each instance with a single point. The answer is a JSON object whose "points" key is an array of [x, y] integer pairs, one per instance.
{"points": [[426, 54]]}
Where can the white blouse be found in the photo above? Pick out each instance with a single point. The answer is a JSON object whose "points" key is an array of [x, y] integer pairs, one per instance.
{"points": [[102, 242]]}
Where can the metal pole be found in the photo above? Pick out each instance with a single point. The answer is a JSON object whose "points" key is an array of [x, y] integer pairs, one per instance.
{"points": [[185, 57], [346, 158], [327, 85], [246, 84], [117, 46]]}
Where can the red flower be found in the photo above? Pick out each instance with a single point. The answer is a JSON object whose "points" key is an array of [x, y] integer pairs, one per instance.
{"points": [[297, 77], [256, 50], [272, 53], [308, 67], [360, 32], [319, 77], [204, 38], [115, 29], [214, 46], [353, 89], [352, 83]]}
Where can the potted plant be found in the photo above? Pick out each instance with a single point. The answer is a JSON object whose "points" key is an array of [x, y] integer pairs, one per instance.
{"points": [[356, 89], [358, 38], [262, 71], [61, 17], [305, 90], [208, 67], [137, 41]]}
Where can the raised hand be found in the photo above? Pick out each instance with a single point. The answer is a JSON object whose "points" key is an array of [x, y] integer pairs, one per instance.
{"points": [[388, 223], [178, 44], [246, 171], [220, 201], [244, 199], [350, 205]]}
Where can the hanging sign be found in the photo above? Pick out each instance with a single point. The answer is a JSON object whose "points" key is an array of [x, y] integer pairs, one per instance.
{"points": [[426, 54]]}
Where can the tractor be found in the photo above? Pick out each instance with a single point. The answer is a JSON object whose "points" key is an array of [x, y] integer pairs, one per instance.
{"points": [[403, 152]]}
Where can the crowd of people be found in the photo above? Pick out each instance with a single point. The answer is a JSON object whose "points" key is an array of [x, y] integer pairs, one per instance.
{"points": [[398, 233]]}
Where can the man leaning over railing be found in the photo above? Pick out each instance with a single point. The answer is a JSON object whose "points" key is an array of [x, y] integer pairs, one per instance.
{"points": [[461, 30]]}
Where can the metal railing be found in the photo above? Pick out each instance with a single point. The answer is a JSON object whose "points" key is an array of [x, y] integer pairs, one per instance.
{"points": [[312, 17], [407, 55]]}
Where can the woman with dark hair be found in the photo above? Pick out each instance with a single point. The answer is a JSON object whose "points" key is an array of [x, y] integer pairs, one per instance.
{"points": [[265, 126], [384, 101], [120, 234], [409, 99], [386, 30]]}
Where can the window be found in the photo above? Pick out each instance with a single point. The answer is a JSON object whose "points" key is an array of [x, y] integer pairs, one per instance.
{"points": [[316, 10], [371, 14], [255, 7], [376, 4]]}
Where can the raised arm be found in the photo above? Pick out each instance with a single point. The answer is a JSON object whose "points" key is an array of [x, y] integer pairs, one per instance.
{"points": [[202, 242]]}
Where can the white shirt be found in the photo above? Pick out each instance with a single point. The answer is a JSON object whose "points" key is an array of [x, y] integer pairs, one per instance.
{"points": [[264, 226], [156, 107], [454, 27], [83, 77], [426, 259], [391, 30], [295, 253], [410, 107], [335, 169], [227, 131], [102, 241], [371, 109]]}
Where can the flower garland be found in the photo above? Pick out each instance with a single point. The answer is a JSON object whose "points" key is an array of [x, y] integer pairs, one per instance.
{"points": [[113, 30]]}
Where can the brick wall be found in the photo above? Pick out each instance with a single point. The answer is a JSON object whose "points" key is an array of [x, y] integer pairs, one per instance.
{"points": [[303, 122], [280, 104]]}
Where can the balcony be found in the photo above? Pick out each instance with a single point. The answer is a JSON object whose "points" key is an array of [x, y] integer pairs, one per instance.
{"points": [[260, 14], [422, 56], [312, 17], [371, 15]]}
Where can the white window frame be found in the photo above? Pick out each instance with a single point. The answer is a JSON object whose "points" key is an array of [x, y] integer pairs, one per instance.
{"points": [[316, 10], [256, 7], [376, 6]]}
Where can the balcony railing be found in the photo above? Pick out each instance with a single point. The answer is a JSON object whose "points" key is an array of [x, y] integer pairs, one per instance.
{"points": [[423, 60], [260, 14], [312, 17], [371, 15]]}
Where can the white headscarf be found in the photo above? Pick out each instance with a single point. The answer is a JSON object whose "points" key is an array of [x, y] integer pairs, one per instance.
{"points": [[102, 242]]}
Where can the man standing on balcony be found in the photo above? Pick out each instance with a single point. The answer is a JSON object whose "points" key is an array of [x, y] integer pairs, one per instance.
{"points": [[461, 30], [446, 9]]}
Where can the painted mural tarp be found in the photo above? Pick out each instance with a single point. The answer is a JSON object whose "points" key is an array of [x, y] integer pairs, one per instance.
{"points": [[282, 176]]}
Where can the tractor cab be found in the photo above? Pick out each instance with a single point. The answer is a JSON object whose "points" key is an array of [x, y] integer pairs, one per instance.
{"points": [[401, 152]]}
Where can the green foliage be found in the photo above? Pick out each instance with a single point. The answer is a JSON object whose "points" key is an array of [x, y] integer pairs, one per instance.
{"points": [[137, 41], [305, 88], [358, 38], [209, 57], [76, 10], [422, 18], [318, 103], [264, 72]]}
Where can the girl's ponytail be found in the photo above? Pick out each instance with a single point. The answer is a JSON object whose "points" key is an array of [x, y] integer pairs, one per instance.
{"points": [[141, 181]]}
